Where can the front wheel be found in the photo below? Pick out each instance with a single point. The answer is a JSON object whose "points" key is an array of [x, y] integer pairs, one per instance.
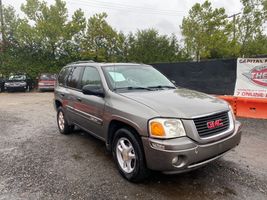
{"points": [[63, 126], [128, 154]]}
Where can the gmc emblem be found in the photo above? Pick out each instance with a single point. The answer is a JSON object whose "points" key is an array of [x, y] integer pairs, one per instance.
{"points": [[214, 124]]}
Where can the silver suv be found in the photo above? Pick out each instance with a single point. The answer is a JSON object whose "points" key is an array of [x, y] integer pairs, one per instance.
{"points": [[146, 121]]}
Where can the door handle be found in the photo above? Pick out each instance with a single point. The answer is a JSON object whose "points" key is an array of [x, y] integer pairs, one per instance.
{"points": [[79, 99], [61, 94]]}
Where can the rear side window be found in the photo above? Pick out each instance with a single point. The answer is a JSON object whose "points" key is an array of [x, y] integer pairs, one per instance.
{"points": [[63, 75], [90, 77], [73, 79]]}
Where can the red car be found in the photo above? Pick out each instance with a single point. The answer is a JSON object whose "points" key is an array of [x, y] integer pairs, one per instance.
{"points": [[46, 82]]}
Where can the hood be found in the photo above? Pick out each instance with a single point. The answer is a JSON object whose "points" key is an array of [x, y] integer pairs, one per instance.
{"points": [[180, 103]]}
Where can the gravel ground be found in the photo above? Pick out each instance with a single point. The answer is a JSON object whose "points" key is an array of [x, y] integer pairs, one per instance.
{"points": [[36, 162]]}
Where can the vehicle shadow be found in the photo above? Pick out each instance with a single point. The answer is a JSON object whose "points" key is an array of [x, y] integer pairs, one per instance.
{"points": [[218, 180]]}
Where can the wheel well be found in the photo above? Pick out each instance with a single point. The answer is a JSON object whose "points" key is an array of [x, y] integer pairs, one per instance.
{"points": [[114, 126], [58, 104]]}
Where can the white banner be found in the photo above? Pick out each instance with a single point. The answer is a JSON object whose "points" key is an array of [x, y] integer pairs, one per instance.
{"points": [[251, 79]]}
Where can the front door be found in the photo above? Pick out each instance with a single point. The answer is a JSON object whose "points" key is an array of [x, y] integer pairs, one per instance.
{"points": [[90, 108]]}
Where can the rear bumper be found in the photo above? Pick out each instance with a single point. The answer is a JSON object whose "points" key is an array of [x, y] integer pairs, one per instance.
{"points": [[46, 87], [183, 154], [43, 88]]}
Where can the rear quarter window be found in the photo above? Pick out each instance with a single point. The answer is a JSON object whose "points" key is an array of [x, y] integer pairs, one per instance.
{"points": [[63, 75]]}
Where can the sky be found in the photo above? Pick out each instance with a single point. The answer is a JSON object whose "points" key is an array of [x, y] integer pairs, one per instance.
{"points": [[132, 15]]}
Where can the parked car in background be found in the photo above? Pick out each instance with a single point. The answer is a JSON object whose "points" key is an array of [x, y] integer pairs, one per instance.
{"points": [[19, 82], [46, 82], [2, 84], [145, 120]]}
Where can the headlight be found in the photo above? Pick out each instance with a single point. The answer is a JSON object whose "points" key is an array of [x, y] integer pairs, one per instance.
{"points": [[6, 84], [40, 83], [166, 128]]}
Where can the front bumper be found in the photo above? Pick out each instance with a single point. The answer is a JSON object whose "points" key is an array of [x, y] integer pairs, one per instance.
{"points": [[183, 154], [15, 88]]}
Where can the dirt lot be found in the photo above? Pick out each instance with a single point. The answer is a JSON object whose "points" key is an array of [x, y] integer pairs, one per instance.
{"points": [[36, 162]]}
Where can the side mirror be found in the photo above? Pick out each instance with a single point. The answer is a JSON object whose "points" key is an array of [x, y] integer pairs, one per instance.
{"points": [[93, 90]]}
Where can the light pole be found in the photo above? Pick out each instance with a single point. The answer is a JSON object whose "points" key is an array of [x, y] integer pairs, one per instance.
{"points": [[234, 21]]}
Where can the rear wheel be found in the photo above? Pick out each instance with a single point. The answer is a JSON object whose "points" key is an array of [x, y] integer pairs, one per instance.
{"points": [[63, 126], [128, 154]]}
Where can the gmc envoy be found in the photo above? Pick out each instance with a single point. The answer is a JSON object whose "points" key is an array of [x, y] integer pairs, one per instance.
{"points": [[146, 121]]}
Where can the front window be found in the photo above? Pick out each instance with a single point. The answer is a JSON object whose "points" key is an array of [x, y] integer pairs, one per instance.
{"points": [[136, 77], [90, 77]]}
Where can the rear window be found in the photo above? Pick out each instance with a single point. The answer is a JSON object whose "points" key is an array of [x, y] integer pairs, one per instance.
{"points": [[44, 77]]}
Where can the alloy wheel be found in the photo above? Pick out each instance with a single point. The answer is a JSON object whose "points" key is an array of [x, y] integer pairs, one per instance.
{"points": [[125, 155]]}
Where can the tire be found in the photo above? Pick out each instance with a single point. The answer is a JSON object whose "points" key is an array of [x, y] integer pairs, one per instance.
{"points": [[129, 157], [63, 126]]}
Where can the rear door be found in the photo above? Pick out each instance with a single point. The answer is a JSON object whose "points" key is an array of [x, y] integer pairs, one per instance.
{"points": [[61, 90], [90, 108], [73, 88]]}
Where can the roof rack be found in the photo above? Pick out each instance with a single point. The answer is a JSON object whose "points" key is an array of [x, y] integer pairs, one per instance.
{"points": [[82, 61]]}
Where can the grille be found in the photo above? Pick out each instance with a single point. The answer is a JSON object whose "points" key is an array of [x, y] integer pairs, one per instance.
{"points": [[202, 124]]}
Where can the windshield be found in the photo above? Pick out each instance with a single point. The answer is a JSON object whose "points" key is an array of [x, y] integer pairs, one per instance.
{"points": [[48, 77], [135, 77], [17, 78]]}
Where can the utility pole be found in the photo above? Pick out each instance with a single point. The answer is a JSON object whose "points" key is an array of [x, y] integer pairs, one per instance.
{"points": [[234, 21]]}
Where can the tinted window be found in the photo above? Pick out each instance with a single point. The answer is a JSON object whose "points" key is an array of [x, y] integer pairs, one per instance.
{"points": [[73, 79], [17, 78], [63, 75], [90, 77], [45, 77]]}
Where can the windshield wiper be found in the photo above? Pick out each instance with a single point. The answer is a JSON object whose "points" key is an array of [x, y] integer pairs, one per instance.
{"points": [[133, 88], [162, 86]]}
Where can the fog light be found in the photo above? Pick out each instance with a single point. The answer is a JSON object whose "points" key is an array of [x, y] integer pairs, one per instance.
{"points": [[175, 160], [179, 161]]}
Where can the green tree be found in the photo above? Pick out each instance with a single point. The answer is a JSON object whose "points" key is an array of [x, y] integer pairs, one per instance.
{"points": [[148, 46], [75, 33], [10, 48], [101, 42], [206, 32], [49, 26], [45, 39], [250, 27]]}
